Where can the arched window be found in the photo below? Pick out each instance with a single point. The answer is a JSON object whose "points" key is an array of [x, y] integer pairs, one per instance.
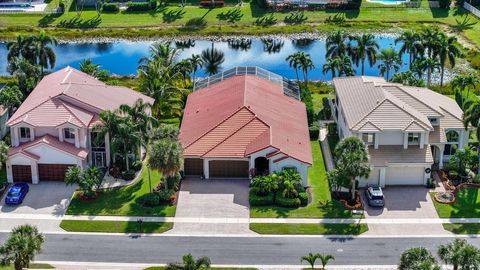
{"points": [[452, 136], [452, 143]]}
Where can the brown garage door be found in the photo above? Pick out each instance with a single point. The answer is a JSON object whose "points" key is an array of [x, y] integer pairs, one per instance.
{"points": [[52, 172], [228, 168], [22, 173], [193, 166]]}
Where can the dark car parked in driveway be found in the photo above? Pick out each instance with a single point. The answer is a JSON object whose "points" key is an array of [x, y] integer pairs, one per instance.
{"points": [[374, 196], [16, 193]]}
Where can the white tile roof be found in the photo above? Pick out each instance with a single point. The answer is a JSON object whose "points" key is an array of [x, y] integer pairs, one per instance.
{"points": [[395, 154]]}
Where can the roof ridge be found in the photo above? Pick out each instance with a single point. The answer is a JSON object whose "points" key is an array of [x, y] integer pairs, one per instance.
{"points": [[419, 100], [68, 109], [403, 109]]}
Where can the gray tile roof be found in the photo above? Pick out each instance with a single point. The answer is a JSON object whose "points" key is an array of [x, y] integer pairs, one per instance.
{"points": [[395, 154]]}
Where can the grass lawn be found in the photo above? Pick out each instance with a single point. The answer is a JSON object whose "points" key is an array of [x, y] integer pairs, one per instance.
{"points": [[3, 175], [321, 205], [122, 201], [115, 226], [317, 101], [213, 268], [32, 266], [337, 229], [467, 205], [460, 228]]}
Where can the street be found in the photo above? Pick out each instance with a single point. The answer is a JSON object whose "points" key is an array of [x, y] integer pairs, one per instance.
{"points": [[228, 250]]}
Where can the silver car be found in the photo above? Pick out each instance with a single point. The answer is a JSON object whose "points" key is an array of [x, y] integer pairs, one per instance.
{"points": [[375, 196]]}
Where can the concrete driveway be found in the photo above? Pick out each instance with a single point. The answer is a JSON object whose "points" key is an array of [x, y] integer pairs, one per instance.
{"points": [[408, 202], [213, 200], [45, 198]]}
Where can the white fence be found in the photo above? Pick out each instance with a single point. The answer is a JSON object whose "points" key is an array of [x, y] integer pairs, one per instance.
{"points": [[472, 9]]}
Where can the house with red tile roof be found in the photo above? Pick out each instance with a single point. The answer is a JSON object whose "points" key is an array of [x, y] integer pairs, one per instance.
{"points": [[54, 127], [244, 124]]}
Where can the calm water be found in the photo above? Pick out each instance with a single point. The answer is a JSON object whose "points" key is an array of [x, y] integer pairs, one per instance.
{"points": [[122, 57]]}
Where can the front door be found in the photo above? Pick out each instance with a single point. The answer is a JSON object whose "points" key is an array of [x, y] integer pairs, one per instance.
{"points": [[99, 159]]}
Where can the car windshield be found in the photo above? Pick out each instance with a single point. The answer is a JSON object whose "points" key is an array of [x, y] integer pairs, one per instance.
{"points": [[376, 197], [13, 193]]}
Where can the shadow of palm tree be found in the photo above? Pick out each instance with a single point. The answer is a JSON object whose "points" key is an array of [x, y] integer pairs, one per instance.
{"points": [[173, 15], [48, 19], [77, 22]]}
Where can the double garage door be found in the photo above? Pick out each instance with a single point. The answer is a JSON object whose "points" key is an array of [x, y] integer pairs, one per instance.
{"points": [[404, 176], [217, 168], [46, 172]]}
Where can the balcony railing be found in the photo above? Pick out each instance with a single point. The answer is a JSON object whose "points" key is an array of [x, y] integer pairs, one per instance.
{"points": [[290, 88]]}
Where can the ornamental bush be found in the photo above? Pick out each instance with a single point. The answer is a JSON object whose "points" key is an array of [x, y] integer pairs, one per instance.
{"points": [[111, 7], [282, 201], [138, 6], [257, 200], [166, 195], [303, 196]]}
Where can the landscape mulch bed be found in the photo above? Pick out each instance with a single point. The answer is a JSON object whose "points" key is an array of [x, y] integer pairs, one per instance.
{"points": [[344, 198]]}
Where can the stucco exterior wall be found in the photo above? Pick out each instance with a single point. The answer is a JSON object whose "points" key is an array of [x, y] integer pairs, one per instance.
{"points": [[49, 155], [302, 168]]}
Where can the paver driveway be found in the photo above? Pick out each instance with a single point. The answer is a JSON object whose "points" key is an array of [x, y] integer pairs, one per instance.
{"points": [[409, 202], [213, 200]]}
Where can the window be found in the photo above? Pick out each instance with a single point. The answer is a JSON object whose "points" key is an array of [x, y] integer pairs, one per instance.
{"points": [[433, 120], [413, 137], [69, 134], [451, 145], [24, 133], [368, 138], [452, 136], [450, 149]]}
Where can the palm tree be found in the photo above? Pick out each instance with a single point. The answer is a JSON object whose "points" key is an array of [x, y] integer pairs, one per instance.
{"points": [[10, 98], [26, 74], [294, 62], [310, 258], [142, 120], [184, 68], [325, 259], [127, 139], [460, 254], [189, 263], [345, 66], [109, 126], [305, 64], [429, 38], [430, 65], [21, 47], [162, 52], [446, 50], [213, 59], [197, 62], [45, 55], [88, 67], [460, 83], [471, 117], [23, 243], [331, 66], [336, 44], [390, 59], [166, 156], [410, 44], [414, 258], [366, 48]]}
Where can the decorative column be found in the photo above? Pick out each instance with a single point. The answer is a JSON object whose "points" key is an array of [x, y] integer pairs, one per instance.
{"points": [[32, 135], [405, 140], [206, 168], [77, 138], [60, 134]]}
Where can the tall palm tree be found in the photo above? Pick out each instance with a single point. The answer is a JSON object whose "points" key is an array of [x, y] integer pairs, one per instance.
{"points": [[88, 67], [184, 68], [446, 50], [390, 59], [294, 62], [336, 44], [366, 48], [325, 258], [109, 126], [43, 52], [166, 156], [345, 66], [197, 62], [414, 258], [26, 73], [21, 246], [471, 117], [213, 59], [459, 253], [462, 84], [310, 259], [163, 52], [142, 120], [429, 38], [430, 65], [331, 66], [10, 98], [305, 64], [410, 44], [189, 263], [126, 139], [21, 47]]}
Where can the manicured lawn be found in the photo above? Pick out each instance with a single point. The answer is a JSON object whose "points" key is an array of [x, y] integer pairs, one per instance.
{"points": [[213, 268], [337, 229], [115, 226], [467, 205], [32, 266], [317, 101], [458, 228], [122, 201], [321, 205]]}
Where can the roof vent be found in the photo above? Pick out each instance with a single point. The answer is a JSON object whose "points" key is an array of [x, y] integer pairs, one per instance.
{"points": [[197, 111]]}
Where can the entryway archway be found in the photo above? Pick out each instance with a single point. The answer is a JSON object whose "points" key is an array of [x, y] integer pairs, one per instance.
{"points": [[261, 166]]}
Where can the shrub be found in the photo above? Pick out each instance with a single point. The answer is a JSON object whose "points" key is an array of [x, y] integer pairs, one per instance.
{"points": [[173, 182], [256, 200], [282, 201], [110, 7], [209, 4], [303, 196], [149, 200], [314, 131], [153, 4], [128, 175], [166, 195], [138, 6], [136, 165]]}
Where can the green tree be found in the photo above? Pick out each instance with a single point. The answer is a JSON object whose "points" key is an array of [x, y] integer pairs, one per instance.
{"points": [[163, 52], [89, 180], [390, 60], [337, 180], [352, 160], [325, 258], [463, 161], [310, 259], [331, 66], [463, 85], [21, 47], [430, 65], [471, 117], [265, 185], [26, 74], [336, 44], [345, 66], [446, 50], [212, 59], [126, 139], [366, 48], [189, 263], [142, 120], [3, 153], [417, 258], [44, 54], [407, 78], [166, 156], [294, 62], [460, 254], [411, 44], [23, 243], [429, 39], [196, 62], [10, 98], [109, 126]]}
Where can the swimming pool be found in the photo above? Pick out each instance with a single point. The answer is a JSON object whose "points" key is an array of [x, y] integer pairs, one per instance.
{"points": [[26, 5]]}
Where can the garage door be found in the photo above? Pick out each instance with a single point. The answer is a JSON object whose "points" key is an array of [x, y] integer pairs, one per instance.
{"points": [[22, 173], [373, 178], [228, 168], [52, 172], [193, 166], [404, 176]]}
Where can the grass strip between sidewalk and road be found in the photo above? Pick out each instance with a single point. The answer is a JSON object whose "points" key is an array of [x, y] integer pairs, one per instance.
{"points": [[309, 229], [31, 266], [115, 226], [462, 228], [212, 268]]}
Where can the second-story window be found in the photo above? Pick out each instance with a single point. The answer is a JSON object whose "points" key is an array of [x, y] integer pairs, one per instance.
{"points": [[413, 137], [69, 133], [25, 133], [368, 138]]}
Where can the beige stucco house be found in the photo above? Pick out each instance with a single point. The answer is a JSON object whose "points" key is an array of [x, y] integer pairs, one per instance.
{"points": [[407, 129]]}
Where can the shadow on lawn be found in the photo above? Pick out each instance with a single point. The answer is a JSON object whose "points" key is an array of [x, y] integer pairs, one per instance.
{"points": [[48, 19], [467, 204], [331, 209], [173, 15]]}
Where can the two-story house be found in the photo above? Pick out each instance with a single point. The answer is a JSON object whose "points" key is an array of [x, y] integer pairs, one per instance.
{"points": [[406, 129], [55, 127]]}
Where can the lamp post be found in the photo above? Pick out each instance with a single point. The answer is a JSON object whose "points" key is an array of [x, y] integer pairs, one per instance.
{"points": [[149, 181]]}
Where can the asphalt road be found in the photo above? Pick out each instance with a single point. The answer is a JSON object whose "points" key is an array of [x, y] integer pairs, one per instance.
{"points": [[228, 250]]}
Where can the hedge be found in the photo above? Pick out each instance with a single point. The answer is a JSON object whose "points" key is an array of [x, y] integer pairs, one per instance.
{"points": [[282, 201], [110, 7], [303, 196], [256, 200], [314, 132], [138, 6]]}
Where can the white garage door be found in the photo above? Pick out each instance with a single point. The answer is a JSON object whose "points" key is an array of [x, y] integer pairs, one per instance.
{"points": [[373, 179], [404, 176]]}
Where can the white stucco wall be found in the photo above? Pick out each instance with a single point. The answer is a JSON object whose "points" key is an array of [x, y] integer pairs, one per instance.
{"points": [[41, 131], [22, 160], [302, 168], [50, 155]]}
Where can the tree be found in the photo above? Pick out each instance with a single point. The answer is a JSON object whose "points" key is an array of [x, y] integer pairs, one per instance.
{"points": [[462, 83], [352, 160], [108, 127], [212, 59], [87, 66], [337, 180], [429, 38], [336, 44], [265, 184], [407, 78], [390, 59], [459, 253], [44, 54], [416, 258], [163, 52], [196, 62], [127, 139], [189, 263], [366, 48], [21, 47], [3, 153], [23, 243], [331, 66], [88, 180], [26, 74], [325, 258], [411, 44], [471, 117], [345, 66], [140, 118], [310, 259], [294, 62], [463, 161], [10, 98], [446, 50], [302, 61], [166, 155], [430, 65], [184, 68]]}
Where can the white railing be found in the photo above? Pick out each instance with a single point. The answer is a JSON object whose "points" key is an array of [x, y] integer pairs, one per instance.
{"points": [[472, 9], [290, 88]]}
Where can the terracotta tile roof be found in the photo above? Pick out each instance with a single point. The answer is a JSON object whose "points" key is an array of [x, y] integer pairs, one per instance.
{"points": [[390, 154], [242, 114], [52, 102], [50, 141]]}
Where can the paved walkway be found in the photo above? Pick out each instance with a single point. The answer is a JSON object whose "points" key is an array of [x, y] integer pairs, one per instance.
{"points": [[327, 154]]}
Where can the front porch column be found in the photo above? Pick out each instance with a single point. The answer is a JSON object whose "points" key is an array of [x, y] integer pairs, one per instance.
{"points": [[376, 139], [405, 140], [34, 168], [381, 180], [107, 149], [440, 162], [206, 171], [32, 134], [60, 134], [422, 140], [77, 138], [9, 172]]}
